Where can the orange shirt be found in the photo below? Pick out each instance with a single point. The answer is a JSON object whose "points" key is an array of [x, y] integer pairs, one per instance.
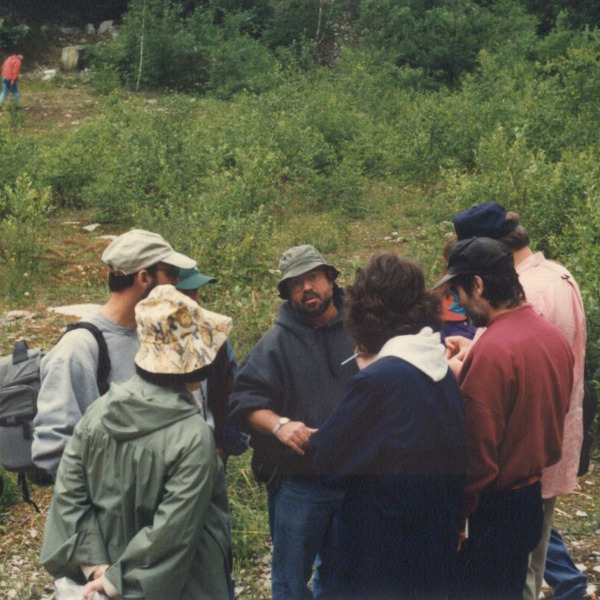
{"points": [[11, 68]]}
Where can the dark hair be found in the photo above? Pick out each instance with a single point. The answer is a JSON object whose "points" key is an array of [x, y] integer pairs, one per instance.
{"points": [[388, 298], [500, 290], [118, 283], [175, 381], [518, 238]]}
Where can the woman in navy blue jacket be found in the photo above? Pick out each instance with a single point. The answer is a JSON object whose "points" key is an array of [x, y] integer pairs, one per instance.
{"points": [[396, 441]]}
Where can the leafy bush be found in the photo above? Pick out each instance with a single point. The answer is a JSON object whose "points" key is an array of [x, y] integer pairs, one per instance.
{"points": [[154, 49], [24, 212], [241, 64], [11, 34]]}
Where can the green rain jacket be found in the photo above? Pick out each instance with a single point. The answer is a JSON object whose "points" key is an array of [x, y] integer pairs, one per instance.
{"points": [[140, 487]]}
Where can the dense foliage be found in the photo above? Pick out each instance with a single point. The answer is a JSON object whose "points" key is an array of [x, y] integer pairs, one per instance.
{"points": [[512, 116]]}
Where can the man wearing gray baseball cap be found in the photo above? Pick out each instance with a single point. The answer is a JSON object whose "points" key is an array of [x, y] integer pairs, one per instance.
{"points": [[138, 261], [285, 389]]}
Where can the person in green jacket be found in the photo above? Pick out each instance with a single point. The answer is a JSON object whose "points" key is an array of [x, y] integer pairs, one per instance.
{"points": [[140, 505]]}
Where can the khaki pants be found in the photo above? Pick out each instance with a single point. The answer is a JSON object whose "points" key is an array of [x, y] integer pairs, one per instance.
{"points": [[537, 559]]}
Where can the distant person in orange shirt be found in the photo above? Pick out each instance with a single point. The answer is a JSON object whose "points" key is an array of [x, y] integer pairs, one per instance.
{"points": [[11, 68]]}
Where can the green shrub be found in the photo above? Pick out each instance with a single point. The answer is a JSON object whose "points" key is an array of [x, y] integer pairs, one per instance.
{"points": [[241, 64], [24, 212]]}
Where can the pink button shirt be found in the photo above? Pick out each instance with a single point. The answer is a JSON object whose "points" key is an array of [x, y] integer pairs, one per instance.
{"points": [[554, 294]]}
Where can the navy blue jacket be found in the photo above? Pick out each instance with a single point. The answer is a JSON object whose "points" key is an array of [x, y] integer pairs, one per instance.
{"points": [[396, 443]]}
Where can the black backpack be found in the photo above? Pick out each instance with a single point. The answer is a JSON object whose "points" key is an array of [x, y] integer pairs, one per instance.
{"points": [[19, 387]]}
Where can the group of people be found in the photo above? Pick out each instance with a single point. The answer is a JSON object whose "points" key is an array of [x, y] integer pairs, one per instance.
{"points": [[396, 465]]}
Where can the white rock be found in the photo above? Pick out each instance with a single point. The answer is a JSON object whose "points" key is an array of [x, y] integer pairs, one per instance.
{"points": [[581, 567], [104, 27], [69, 58], [83, 311], [91, 227], [581, 514], [90, 29], [48, 74]]}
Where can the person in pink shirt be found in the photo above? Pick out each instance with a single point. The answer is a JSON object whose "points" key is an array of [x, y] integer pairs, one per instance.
{"points": [[11, 69], [554, 294]]}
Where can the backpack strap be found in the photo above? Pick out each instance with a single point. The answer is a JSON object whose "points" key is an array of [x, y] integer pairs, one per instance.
{"points": [[103, 358], [20, 353], [22, 479]]}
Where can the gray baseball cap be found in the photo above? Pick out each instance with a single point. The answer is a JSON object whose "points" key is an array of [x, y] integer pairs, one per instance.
{"points": [[139, 249], [297, 261]]}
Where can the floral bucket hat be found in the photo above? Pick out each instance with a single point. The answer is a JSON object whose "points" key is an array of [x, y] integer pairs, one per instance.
{"points": [[177, 336]]}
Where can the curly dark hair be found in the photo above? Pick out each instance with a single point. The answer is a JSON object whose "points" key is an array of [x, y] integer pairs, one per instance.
{"points": [[388, 298]]}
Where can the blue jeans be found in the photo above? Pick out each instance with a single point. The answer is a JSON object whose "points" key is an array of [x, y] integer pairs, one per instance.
{"points": [[6, 88], [561, 574], [303, 517]]}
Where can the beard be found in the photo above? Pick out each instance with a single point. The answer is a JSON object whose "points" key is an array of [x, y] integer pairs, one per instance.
{"points": [[312, 305], [477, 317], [150, 288]]}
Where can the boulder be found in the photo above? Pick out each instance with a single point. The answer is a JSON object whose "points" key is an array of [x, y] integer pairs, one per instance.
{"points": [[105, 27], [70, 57], [90, 29], [48, 74]]}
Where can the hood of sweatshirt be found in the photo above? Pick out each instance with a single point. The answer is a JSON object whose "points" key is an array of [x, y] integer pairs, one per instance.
{"points": [[136, 408], [424, 351]]}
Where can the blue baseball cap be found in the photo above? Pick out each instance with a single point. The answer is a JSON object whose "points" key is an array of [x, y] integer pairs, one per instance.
{"points": [[483, 220]]}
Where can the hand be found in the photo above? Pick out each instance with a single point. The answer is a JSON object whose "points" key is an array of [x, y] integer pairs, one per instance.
{"points": [[99, 571], [295, 435], [98, 585], [455, 365], [457, 347]]}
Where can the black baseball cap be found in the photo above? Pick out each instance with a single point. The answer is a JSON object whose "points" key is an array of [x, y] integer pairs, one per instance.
{"points": [[477, 256]]}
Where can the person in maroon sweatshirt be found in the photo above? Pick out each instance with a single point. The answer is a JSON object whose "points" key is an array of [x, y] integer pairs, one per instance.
{"points": [[516, 384]]}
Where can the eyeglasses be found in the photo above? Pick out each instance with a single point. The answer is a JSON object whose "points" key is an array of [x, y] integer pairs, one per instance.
{"points": [[312, 277]]}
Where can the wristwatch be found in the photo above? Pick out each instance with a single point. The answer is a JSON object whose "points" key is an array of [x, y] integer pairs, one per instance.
{"points": [[282, 421]]}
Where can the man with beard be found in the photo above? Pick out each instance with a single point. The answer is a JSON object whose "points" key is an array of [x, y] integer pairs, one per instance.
{"points": [[516, 383], [285, 389], [138, 261]]}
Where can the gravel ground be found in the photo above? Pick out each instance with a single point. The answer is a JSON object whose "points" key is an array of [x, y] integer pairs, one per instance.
{"points": [[21, 533]]}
